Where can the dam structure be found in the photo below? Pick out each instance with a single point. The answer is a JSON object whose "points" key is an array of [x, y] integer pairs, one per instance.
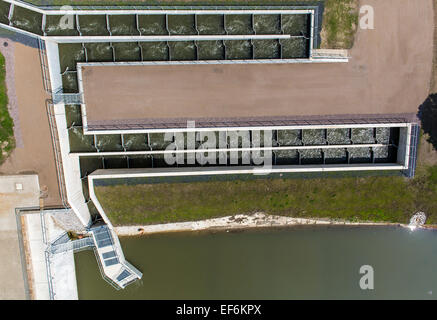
{"points": [[130, 86]]}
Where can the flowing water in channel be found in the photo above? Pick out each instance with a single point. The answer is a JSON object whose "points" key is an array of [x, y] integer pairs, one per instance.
{"points": [[181, 25], [4, 12], [55, 27], [93, 25], [27, 20], [152, 25], [288, 263], [123, 25]]}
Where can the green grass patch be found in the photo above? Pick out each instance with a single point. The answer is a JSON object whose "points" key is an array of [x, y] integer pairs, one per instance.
{"points": [[340, 21], [385, 199], [7, 142]]}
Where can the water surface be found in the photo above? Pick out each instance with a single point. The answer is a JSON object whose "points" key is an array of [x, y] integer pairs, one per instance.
{"points": [[287, 263]]}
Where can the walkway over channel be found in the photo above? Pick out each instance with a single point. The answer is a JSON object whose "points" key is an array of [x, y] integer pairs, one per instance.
{"points": [[112, 264]]}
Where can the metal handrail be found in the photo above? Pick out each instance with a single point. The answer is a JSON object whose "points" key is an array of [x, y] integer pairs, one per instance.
{"points": [[57, 154], [44, 65]]}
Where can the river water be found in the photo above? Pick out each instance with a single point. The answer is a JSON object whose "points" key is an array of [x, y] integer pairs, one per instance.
{"points": [[304, 262]]}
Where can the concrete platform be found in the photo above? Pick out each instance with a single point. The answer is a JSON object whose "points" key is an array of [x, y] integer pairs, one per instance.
{"points": [[12, 285]]}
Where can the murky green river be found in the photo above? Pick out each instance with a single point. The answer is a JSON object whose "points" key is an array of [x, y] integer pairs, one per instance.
{"points": [[287, 263]]}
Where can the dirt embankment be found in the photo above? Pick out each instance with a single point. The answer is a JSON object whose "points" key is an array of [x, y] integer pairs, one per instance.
{"points": [[34, 150]]}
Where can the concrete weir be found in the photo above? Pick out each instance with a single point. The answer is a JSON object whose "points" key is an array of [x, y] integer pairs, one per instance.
{"points": [[51, 247]]}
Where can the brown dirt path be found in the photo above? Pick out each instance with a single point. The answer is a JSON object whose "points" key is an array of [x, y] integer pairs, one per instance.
{"points": [[35, 155], [389, 72]]}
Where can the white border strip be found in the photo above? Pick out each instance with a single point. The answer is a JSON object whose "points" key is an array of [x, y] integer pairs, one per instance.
{"points": [[203, 171], [127, 153], [93, 39], [156, 12]]}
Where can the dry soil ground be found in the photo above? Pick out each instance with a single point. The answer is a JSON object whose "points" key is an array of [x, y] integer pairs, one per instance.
{"points": [[35, 153], [389, 72]]}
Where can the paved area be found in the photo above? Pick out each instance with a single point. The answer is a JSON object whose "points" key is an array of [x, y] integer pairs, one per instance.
{"points": [[63, 269], [34, 152], [11, 273], [389, 72], [36, 263]]}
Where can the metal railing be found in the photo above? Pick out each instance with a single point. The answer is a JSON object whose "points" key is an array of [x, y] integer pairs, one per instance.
{"points": [[72, 245], [44, 6], [44, 65], [231, 123], [67, 98], [414, 143], [57, 154]]}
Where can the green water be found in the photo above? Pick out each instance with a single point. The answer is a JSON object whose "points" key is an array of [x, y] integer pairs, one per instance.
{"points": [[291, 263], [89, 164], [127, 51], [116, 162], [73, 115], [211, 24], [267, 24], [93, 25], [153, 51], [80, 142], [70, 54], [53, 27], [69, 82], [296, 24], [109, 142], [140, 162], [99, 52], [295, 48], [27, 20], [123, 25], [238, 24], [181, 24], [267, 49], [152, 25], [211, 50], [182, 50], [135, 142], [238, 49], [4, 12]]}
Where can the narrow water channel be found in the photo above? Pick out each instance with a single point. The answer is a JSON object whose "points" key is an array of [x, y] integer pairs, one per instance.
{"points": [[287, 263]]}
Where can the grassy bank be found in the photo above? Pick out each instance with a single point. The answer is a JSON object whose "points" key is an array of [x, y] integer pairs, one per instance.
{"points": [[385, 199], [7, 141], [340, 21]]}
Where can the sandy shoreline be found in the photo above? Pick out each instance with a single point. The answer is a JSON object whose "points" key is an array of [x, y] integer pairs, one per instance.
{"points": [[256, 220]]}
